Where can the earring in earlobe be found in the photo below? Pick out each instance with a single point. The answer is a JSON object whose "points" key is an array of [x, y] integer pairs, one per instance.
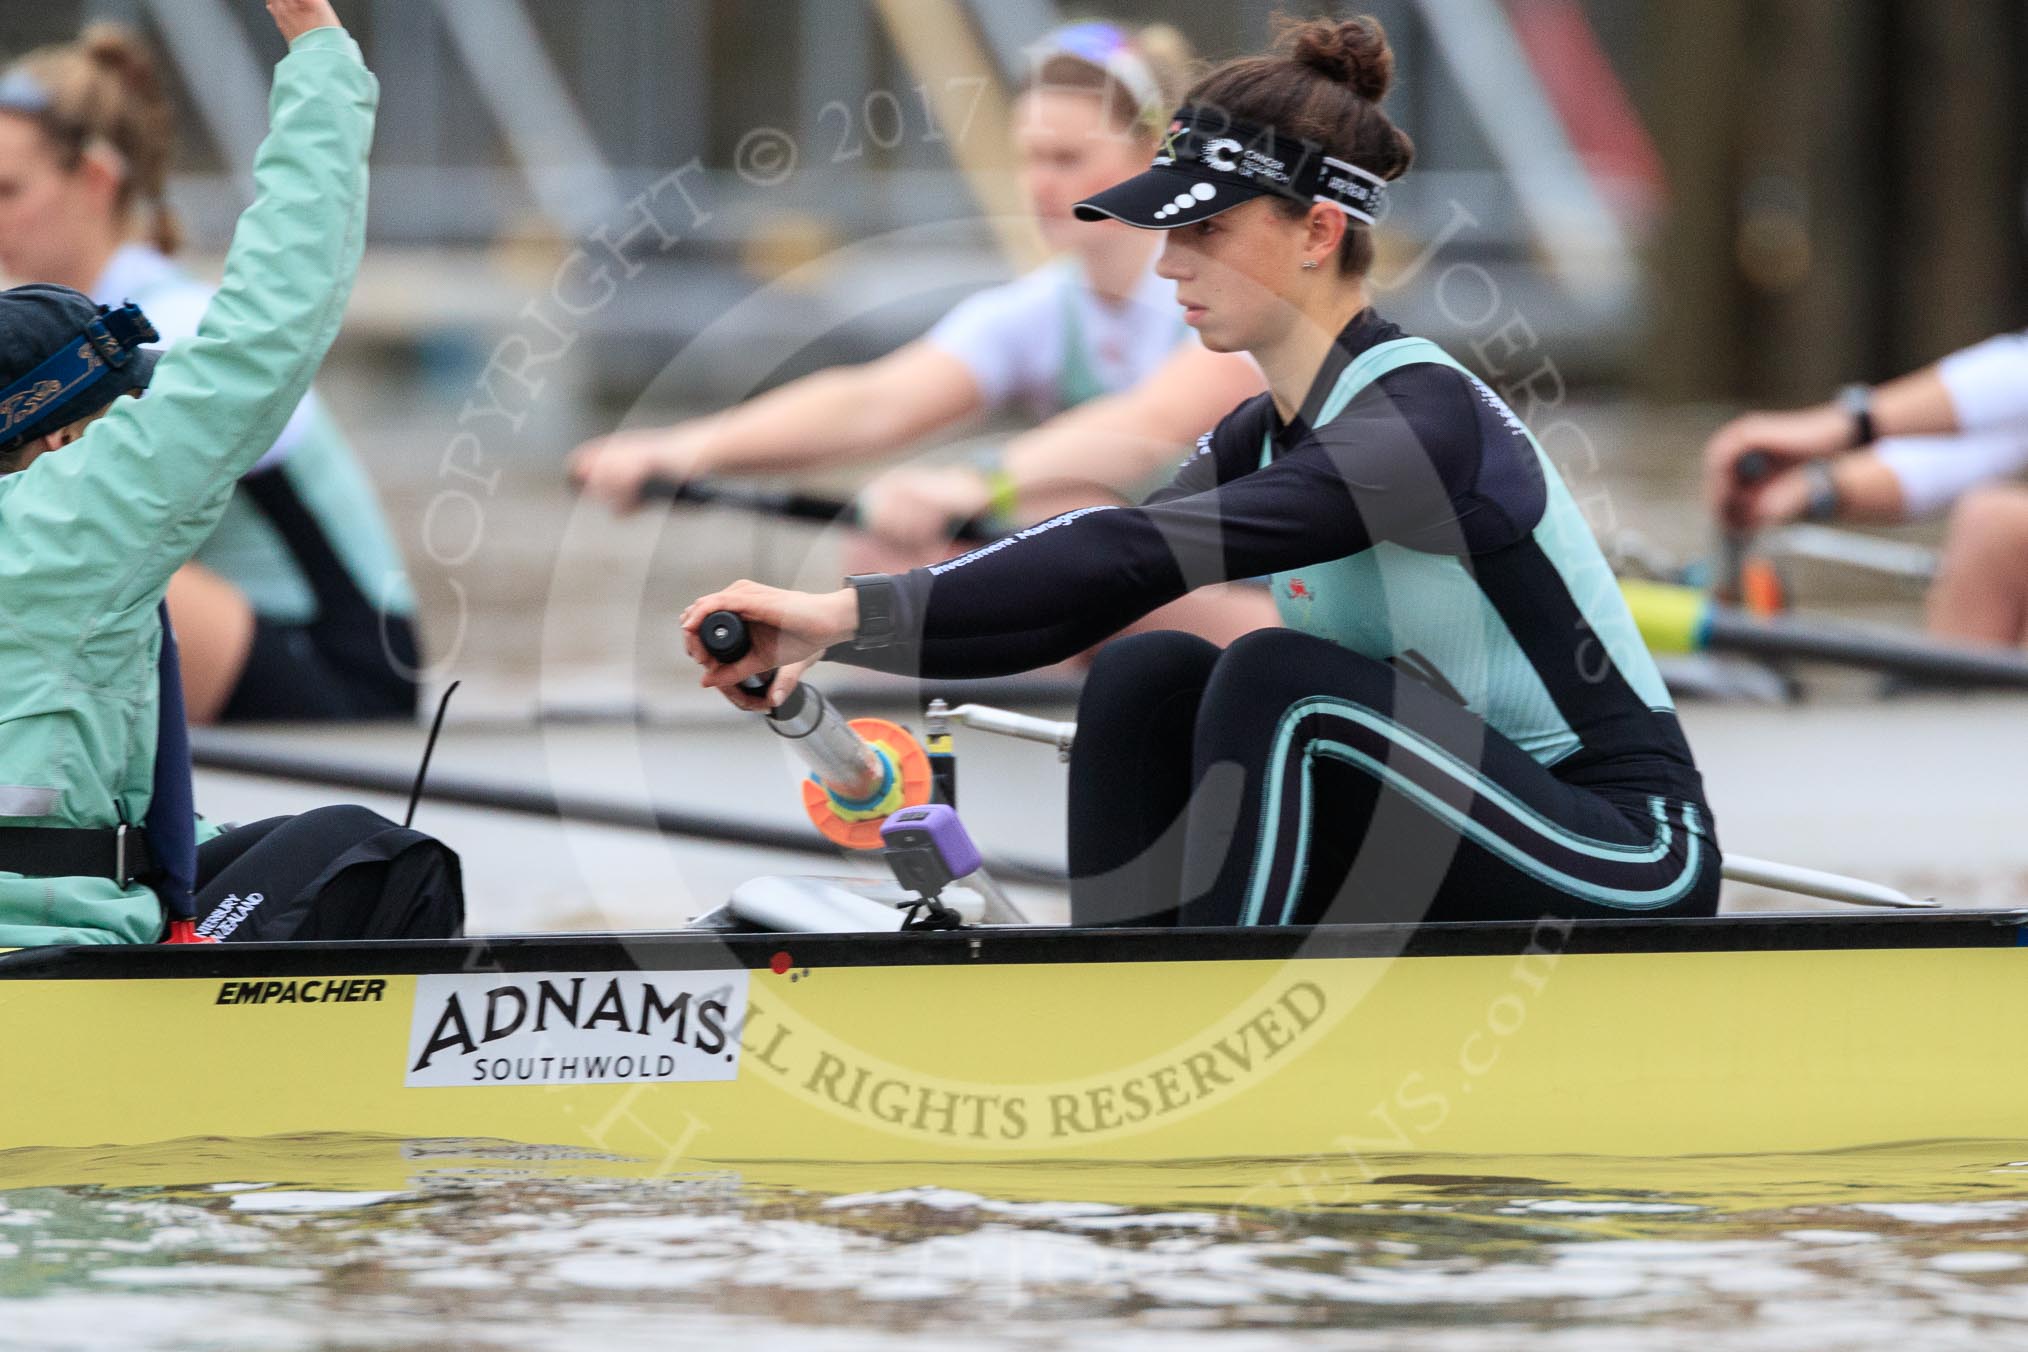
{"points": [[1309, 265]]}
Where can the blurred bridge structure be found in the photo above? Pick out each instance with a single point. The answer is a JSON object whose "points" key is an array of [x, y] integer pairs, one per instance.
{"points": [[1536, 218], [510, 128]]}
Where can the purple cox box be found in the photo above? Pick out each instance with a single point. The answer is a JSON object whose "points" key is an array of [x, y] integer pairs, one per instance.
{"points": [[935, 825]]}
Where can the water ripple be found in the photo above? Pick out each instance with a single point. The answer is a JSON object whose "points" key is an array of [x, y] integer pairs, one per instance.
{"points": [[480, 1245]]}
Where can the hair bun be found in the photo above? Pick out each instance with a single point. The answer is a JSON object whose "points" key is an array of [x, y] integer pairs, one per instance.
{"points": [[121, 51], [1353, 52]]}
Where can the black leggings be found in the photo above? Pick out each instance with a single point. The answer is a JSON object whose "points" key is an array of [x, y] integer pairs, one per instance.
{"points": [[351, 661], [356, 667], [332, 873], [1288, 780]]}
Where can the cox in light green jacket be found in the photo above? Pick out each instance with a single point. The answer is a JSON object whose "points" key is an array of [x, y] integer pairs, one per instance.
{"points": [[89, 535]]}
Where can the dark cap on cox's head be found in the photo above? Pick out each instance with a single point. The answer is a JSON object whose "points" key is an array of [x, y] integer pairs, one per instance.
{"points": [[1209, 163], [63, 358]]}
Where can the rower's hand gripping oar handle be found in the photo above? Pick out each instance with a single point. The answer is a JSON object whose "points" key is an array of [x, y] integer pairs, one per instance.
{"points": [[861, 770], [725, 636]]}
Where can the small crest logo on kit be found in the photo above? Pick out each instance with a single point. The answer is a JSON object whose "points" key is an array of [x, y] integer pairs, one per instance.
{"points": [[508, 1028]]}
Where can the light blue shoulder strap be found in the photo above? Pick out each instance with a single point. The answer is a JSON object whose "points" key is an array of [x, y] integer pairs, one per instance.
{"points": [[1378, 361], [1368, 367]]}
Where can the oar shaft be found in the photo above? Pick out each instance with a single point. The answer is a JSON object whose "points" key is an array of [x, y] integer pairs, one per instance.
{"points": [[1850, 549], [1678, 619], [227, 756], [838, 756], [787, 504], [1892, 654]]}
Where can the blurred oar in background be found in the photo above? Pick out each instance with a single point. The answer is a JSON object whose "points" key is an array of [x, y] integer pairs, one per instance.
{"points": [[785, 503], [1677, 619], [1852, 549], [245, 755]]}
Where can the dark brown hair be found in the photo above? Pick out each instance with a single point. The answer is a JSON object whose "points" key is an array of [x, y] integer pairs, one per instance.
{"points": [[1323, 82], [1162, 49], [105, 89]]}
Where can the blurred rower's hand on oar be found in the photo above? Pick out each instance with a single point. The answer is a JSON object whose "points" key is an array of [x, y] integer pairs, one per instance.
{"points": [[613, 468], [1776, 500], [790, 630], [297, 17], [1786, 440], [917, 507]]}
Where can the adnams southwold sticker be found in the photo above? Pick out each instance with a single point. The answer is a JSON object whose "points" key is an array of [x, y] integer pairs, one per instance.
{"points": [[509, 1028]]}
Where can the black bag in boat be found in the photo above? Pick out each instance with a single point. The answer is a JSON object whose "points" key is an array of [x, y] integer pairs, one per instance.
{"points": [[332, 873]]}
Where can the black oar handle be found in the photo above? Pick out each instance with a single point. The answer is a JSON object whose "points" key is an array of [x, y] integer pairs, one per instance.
{"points": [[725, 636], [789, 505], [1754, 467]]}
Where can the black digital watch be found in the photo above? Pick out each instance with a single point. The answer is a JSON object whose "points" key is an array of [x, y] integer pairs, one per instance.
{"points": [[1857, 400], [877, 610]]}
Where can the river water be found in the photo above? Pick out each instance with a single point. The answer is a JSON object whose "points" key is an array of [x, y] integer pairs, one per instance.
{"points": [[336, 1243]]}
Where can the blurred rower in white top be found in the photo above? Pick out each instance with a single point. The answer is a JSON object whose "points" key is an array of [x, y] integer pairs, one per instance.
{"points": [[1092, 341], [1951, 435]]}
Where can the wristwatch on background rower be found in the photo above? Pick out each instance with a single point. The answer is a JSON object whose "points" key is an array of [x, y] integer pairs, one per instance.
{"points": [[1857, 401], [876, 610], [1822, 504]]}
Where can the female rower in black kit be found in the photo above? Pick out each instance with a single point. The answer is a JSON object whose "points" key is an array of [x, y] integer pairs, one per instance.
{"points": [[1460, 722]]}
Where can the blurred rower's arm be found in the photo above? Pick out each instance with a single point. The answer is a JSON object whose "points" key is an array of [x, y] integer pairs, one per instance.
{"points": [[1980, 388], [1869, 490], [1917, 404], [838, 416], [848, 413], [1121, 440], [1977, 389], [1866, 488], [1933, 472]]}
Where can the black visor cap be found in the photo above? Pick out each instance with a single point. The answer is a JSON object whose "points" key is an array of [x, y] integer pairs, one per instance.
{"points": [[1209, 163], [1166, 197]]}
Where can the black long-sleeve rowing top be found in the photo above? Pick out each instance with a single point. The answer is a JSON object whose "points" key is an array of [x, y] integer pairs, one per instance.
{"points": [[1405, 512]]}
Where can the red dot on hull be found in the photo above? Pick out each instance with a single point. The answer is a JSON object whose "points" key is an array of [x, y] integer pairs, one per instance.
{"points": [[780, 963]]}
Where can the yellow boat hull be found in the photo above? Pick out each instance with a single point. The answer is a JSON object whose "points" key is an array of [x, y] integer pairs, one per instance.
{"points": [[1329, 1051]]}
